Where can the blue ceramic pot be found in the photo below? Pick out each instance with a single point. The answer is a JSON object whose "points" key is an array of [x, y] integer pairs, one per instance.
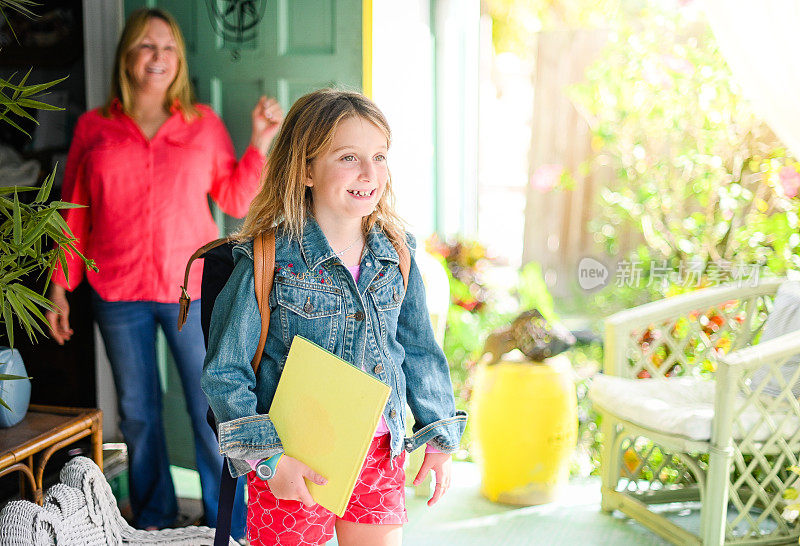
{"points": [[14, 392]]}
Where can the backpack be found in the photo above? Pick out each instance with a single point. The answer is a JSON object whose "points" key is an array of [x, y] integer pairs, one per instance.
{"points": [[218, 266]]}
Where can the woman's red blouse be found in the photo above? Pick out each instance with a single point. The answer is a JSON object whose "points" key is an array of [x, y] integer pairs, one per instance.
{"points": [[147, 207]]}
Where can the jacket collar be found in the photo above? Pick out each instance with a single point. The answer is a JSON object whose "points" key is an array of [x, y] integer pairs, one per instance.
{"points": [[315, 248]]}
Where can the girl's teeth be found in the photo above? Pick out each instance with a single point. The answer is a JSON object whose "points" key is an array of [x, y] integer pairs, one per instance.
{"points": [[361, 193]]}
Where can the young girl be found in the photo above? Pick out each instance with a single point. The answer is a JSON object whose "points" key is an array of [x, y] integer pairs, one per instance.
{"points": [[337, 283]]}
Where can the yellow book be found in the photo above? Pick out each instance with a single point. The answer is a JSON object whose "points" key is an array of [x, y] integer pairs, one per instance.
{"points": [[326, 411]]}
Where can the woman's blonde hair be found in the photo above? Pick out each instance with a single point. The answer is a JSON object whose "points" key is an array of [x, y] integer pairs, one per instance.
{"points": [[121, 84], [307, 132]]}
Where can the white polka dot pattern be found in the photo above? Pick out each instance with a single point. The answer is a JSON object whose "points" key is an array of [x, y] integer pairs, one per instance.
{"points": [[378, 498]]}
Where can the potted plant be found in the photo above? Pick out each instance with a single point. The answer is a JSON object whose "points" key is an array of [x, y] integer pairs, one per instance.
{"points": [[33, 241]]}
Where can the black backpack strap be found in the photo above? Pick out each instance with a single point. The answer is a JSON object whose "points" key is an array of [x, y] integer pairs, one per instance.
{"points": [[227, 491], [219, 266], [217, 269], [185, 300]]}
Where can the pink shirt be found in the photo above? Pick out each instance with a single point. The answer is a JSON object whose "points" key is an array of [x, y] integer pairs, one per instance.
{"points": [[147, 200]]}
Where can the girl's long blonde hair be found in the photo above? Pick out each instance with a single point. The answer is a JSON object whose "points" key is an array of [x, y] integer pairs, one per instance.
{"points": [[121, 84], [306, 133]]}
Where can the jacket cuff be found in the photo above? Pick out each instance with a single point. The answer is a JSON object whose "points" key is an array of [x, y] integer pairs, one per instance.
{"points": [[238, 467], [444, 434], [251, 437]]}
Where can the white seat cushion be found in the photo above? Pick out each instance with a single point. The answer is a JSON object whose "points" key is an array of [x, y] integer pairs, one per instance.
{"points": [[682, 406]]}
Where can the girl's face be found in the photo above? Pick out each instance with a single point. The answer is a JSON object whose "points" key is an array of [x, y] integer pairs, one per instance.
{"points": [[153, 62], [348, 179]]}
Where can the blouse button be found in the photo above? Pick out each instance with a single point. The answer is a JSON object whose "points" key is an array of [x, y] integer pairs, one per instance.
{"points": [[392, 414], [359, 315], [378, 368]]}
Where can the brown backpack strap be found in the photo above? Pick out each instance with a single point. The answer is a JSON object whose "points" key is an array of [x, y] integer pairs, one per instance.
{"points": [[185, 300], [263, 275]]}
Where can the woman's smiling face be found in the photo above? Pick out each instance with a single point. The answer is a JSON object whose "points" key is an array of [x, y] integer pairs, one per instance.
{"points": [[348, 179], [153, 62]]}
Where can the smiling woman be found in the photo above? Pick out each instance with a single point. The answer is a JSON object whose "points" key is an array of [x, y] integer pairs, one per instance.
{"points": [[144, 165]]}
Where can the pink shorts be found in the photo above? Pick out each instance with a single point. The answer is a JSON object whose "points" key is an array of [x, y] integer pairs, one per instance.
{"points": [[378, 498]]}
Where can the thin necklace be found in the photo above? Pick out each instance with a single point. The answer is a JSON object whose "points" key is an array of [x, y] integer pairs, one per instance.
{"points": [[348, 247]]}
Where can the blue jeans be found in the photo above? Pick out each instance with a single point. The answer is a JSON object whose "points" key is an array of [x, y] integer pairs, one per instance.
{"points": [[129, 332]]}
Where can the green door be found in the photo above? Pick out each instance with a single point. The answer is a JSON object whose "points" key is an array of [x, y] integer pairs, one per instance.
{"points": [[296, 46]]}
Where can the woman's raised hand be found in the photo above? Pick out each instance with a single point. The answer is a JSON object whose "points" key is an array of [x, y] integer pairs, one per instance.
{"points": [[58, 318], [288, 483], [267, 118]]}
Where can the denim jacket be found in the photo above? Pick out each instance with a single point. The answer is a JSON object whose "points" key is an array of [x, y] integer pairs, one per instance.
{"points": [[370, 324]]}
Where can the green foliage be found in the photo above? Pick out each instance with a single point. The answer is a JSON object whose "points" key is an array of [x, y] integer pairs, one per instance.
{"points": [[532, 291], [26, 230], [696, 172], [25, 250], [477, 309], [516, 22], [22, 100]]}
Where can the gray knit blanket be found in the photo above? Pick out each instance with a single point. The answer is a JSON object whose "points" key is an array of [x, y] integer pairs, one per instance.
{"points": [[82, 511]]}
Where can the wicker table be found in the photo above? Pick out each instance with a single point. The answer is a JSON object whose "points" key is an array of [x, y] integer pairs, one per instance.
{"points": [[45, 430]]}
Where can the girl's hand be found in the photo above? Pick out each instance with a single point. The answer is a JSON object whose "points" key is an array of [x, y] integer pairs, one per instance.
{"points": [[441, 465], [58, 318], [267, 118], [288, 483]]}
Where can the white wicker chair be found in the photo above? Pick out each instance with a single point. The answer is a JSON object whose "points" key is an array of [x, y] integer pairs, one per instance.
{"points": [[82, 511], [739, 472]]}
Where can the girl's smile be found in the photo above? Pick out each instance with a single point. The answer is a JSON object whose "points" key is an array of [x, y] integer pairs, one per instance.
{"points": [[363, 194]]}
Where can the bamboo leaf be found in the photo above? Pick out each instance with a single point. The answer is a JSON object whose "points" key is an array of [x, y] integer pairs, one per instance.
{"points": [[14, 274], [37, 229], [20, 6], [66, 205], [9, 323], [14, 107], [62, 261], [3, 403], [10, 377], [38, 105], [17, 213], [34, 89], [18, 88], [23, 316], [23, 290], [16, 189], [11, 122], [47, 185]]}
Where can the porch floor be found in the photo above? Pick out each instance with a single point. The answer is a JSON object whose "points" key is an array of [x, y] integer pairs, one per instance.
{"points": [[463, 517]]}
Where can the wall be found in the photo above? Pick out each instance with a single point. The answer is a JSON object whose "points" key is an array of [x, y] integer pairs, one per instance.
{"points": [[403, 87]]}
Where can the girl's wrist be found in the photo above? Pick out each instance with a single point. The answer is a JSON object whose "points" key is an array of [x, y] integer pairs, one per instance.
{"points": [[429, 448], [267, 468]]}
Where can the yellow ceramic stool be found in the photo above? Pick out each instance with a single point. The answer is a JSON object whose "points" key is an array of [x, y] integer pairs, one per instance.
{"points": [[525, 424]]}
